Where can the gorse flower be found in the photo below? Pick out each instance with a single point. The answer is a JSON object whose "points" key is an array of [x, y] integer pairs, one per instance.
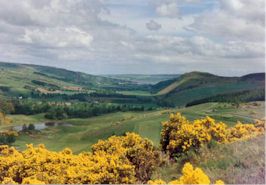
{"points": [[120, 159], [179, 135], [189, 176]]}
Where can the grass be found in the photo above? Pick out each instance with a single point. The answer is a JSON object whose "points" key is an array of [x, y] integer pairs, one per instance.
{"points": [[135, 93], [183, 97], [195, 86], [86, 132], [241, 162], [17, 78]]}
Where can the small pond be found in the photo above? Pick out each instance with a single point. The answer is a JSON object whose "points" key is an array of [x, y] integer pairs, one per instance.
{"points": [[41, 126]]}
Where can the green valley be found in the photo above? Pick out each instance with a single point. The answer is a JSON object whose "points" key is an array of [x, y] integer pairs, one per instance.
{"points": [[84, 132]]}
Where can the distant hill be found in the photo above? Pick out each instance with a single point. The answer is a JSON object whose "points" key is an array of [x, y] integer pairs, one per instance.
{"points": [[177, 90], [144, 79], [195, 86], [20, 79]]}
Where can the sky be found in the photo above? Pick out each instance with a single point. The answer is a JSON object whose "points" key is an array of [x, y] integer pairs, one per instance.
{"points": [[224, 37]]}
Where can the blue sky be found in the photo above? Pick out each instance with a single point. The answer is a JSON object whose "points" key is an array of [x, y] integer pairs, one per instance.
{"points": [[224, 37]]}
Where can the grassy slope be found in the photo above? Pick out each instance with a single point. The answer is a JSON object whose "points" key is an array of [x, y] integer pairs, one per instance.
{"points": [[240, 162], [85, 132], [195, 86], [16, 76]]}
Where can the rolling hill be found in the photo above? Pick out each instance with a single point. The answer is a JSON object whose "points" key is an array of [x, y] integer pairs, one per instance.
{"points": [[196, 86], [21, 79], [144, 79], [178, 90]]}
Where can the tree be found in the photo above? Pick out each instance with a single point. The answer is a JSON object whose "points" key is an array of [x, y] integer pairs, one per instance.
{"points": [[8, 137], [31, 127], [24, 128]]}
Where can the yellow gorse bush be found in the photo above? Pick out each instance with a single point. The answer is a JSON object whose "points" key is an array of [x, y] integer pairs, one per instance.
{"points": [[37, 165], [120, 159], [4, 119], [180, 135], [190, 175], [138, 151], [9, 133]]}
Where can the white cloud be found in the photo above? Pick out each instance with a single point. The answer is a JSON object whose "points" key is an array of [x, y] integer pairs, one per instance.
{"points": [[57, 37], [235, 20], [110, 36], [168, 9]]}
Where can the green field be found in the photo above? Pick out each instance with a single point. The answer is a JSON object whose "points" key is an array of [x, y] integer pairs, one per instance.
{"points": [[85, 132], [135, 93]]}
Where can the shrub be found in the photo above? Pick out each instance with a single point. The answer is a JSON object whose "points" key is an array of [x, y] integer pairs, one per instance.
{"points": [[4, 119], [178, 135], [120, 159], [38, 165], [189, 176], [31, 127], [140, 152], [8, 137]]}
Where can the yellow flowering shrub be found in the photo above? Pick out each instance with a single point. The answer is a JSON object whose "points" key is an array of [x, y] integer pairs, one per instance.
{"points": [[157, 181], [242, 131], [140, 152], [219, 132], [119, 159], [260, 124], [179, 135], [38, 165], [4, 119], [170, 127], [190, 175], [8, 180], [32, 180]]}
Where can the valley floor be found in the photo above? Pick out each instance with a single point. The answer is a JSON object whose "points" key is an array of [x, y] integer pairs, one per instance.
{"points": [[84, 132]]}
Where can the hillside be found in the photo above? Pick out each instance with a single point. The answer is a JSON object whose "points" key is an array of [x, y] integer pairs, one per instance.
{"points": [[22, 79], [238, 163], [144, 79], [188, 89], [196, 86]]}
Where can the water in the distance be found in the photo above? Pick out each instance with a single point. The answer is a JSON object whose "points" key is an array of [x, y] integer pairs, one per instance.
{"points": [[41, 126]]}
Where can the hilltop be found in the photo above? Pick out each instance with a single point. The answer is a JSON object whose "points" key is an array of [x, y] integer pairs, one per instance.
{"points": [[197, 86]]}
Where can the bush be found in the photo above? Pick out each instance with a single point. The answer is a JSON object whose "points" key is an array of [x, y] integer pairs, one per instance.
{"points": [[119, 159], [178, 135], [4, 119], [189, 176], [31, 127], [140, 152], [38, 165], [8, 137]]}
